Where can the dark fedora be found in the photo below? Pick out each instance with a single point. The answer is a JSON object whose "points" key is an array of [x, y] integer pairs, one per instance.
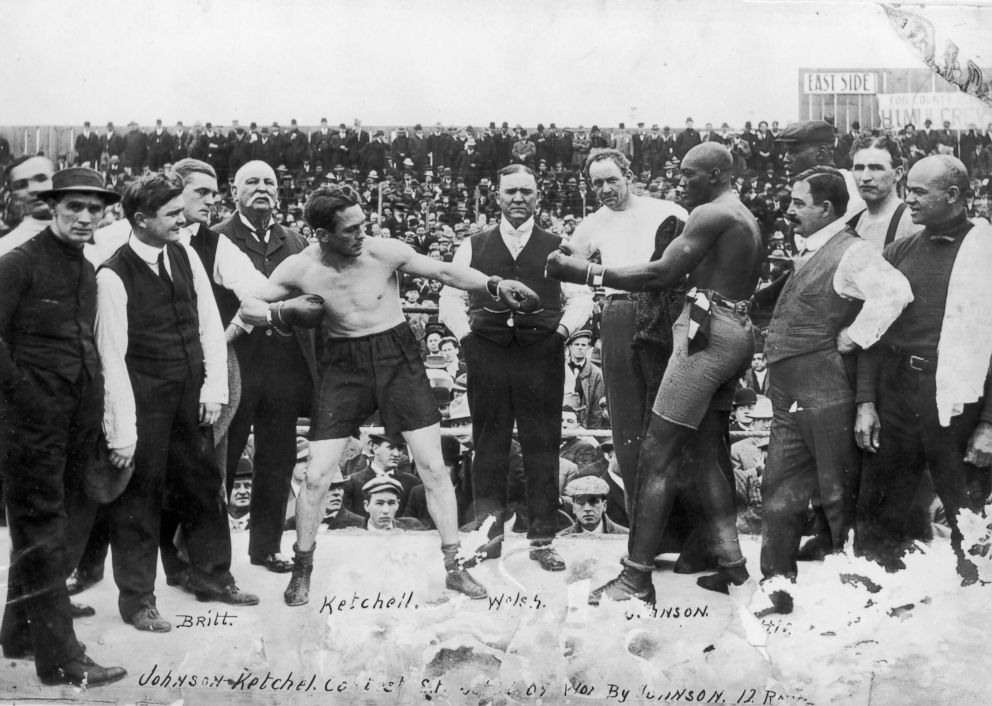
{"points": [[103, 481], [82, 179]]}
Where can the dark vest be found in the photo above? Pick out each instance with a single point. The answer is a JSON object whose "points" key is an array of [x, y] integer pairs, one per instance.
{"points": [[488, 317], [204, 243], [809, 313], [163, 328]]}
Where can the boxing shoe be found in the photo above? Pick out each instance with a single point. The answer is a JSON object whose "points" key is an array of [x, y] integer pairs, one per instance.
{"points": [[297, 593], [547, 557], [634, 581], [462, 581]]}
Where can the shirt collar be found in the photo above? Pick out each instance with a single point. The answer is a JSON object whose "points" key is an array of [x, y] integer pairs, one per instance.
{"points": [[268, 226], [820, 237], [507, 229], [148, 253]]}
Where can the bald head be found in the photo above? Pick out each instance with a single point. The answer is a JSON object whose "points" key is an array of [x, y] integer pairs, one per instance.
{"points": [[706, 172], [935, 190], [256, 189]]}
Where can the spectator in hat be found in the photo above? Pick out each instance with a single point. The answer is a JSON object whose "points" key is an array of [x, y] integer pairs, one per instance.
{"points": [[748, 459], [296, 148], [336, 515], [111, 143], [743, 403], [470, 165], [589, 497], [160, 146], [358, 150], [381, 503], [386, 454], [53, 390], [376, 152], [524, 150], [135, 150], [182, 142], [400, 148], [268, 149], [451, 352], [810, 143], [239, 501], [686, 140], [87, 147], [584, 379]]}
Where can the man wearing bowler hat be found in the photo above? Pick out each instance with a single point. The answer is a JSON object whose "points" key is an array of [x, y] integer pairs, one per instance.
{"points": [[52, 383]]}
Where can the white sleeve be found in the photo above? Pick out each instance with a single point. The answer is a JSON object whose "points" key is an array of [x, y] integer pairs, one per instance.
{"points": [[865, 275], [582, 240], [214, 388], [453, 302], [576, 306], [234, 270], [119, 416]]}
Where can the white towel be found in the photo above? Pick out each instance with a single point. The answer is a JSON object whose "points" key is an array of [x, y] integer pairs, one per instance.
{"points": [[964, 351]]}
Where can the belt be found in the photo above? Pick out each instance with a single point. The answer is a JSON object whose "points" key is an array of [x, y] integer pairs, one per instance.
{"points": [[741, 308], [918, 363], [619, 297]]}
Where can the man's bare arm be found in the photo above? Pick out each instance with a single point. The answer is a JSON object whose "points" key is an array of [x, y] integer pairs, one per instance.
{"points": [[280, 285], [681, 257], [303, 311]]}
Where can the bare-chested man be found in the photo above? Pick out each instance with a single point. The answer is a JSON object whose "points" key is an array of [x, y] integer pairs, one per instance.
{"points": [[720, 251], [371, 361]]}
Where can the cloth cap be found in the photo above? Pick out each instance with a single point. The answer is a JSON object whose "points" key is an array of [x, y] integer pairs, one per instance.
{"points": [[382, 483], [587, 485], [807, 131]]}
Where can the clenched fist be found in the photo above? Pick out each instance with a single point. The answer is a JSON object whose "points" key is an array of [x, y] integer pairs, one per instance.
{"points": [[518, 296], [305, 311], [570, 269]]}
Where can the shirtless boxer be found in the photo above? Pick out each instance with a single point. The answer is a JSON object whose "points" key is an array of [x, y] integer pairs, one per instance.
{"points": [[371, 361], [720, 250]]}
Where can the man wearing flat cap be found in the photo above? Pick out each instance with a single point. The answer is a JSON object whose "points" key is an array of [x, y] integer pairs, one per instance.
{"points": [[810, 143], [588, 495], [52, 383], [381, 504], [584, 379]]}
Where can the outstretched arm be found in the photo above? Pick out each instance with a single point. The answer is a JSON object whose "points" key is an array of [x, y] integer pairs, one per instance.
{"points": [[304, 311], [682, 256], [280, 285]]}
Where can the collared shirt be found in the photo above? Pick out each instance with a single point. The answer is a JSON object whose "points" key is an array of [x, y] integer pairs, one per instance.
{"points": [[865, 275], [232, 268], [262, 237], [453, 303], [119, 419]]}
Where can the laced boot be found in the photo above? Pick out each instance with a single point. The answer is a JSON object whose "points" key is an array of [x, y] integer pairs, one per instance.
{"points": [[634, 581], [298, 591], [735, 573], [458, 579]]}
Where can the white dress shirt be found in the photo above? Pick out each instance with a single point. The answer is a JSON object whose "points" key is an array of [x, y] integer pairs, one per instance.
{"points": [[119, 416], [262, 237], [865, 275], [453, 303], [624, 237], [232, 268]]}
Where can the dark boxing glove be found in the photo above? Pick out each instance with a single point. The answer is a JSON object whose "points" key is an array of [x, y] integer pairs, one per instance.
{"points": [[571, 269], [518, 296], [305, 311]]}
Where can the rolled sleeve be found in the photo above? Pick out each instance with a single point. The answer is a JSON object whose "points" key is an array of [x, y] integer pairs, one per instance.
{"points": [[453, 302], [119, 416]]}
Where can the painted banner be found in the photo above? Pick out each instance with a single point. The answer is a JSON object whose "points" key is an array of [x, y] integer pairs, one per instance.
{"points": [[961, 109]]}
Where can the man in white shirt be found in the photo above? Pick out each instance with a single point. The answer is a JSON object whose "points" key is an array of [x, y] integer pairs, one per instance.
{"points": [[841, 298], [878, 167], [165, 366]]}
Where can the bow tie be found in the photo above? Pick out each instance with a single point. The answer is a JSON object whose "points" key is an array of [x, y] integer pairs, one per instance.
{"points": [[942, 239]]}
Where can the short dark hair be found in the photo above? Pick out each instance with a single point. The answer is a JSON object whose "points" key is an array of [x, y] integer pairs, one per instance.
{"points": [[515, 169], [149, 193], [603, 154], [826, 184], [326, 202], [882, 142]]}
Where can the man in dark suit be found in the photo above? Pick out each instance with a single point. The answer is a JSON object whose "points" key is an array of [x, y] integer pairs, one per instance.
{"points": [[160, 146], [135, 149], [111, 143], [387, 452], [320, 146], [182, 143], [516, 362], [53, 392], [357, 147], [277, 371], [926, 139], [686, 140], [375, 153], [268, 149], [211, 147], [503, 147], [756, 378], [87, 147]]}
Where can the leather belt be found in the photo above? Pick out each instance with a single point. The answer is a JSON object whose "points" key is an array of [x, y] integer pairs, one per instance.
{"points": [[918, 363], [741, 308], [618, 297]]}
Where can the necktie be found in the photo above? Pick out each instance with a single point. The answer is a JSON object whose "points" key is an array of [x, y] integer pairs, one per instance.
{"points": [[162, 272]]}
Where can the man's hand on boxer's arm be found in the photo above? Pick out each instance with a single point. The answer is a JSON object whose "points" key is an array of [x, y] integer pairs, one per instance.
{"points": [[516, 295], [571, 269]]}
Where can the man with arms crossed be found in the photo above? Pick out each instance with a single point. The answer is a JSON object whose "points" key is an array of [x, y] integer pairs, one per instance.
{"points": [[720, 249], [371, 362]]}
